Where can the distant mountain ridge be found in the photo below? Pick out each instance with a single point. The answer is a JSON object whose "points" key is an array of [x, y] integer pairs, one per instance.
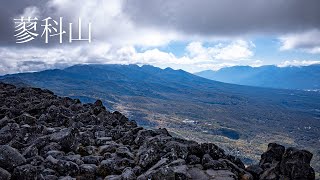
{"points": [[293, 77]]}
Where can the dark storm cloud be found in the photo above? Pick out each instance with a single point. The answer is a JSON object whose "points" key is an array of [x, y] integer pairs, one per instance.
{"points": [[191, 17], [226, 17], [202, 18], [8, 11]]}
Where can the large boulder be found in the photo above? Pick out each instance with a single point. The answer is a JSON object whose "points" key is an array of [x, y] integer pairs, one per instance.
{"points": [[280, 163], [10, 157], [273, 154], [295, 164], [144, 134], [61, 166], [66, 139]]}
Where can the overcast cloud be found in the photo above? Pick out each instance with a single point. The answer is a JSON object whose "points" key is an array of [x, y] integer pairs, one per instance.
{"points": [[120, 26], [227, 17]]}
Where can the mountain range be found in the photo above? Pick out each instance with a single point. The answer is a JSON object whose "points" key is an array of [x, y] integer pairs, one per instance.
{"points": [[193, 107], [293, 77]]}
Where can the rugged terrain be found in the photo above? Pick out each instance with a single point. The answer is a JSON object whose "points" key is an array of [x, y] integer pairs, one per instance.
{"points": [[44, 136], [240, 119]]}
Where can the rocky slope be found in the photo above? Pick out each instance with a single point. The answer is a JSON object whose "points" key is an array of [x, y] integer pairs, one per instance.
{"points": [[43, 136]]}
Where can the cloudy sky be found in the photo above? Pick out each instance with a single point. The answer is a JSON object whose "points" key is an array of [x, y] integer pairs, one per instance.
{"points": [[193, 35]]}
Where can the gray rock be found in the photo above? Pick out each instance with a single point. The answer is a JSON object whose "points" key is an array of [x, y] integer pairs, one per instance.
{"points": [[295, 164], [209, 163], [55, 154], [158, 174], [111, 147], [100, 134], [213, 150], [193, 159], [87, 138], [51, 177], [181, 172], [26, 118], [88, 170], [148, 157], [196, 173], [103, 140], [73, 158], [35, 160], [124, 152], [86, 151], [4, 174], [128, 174], [255, 171], [271, 173], [25, 172], [61, 166], [47, 172], [66, 138], [10, 157], [92, 159], [8, 132], [221, 175], [273, 154], [108, 167], [52, 146], [142, 135], [66, 178], [113, 177], [30, 151]]}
